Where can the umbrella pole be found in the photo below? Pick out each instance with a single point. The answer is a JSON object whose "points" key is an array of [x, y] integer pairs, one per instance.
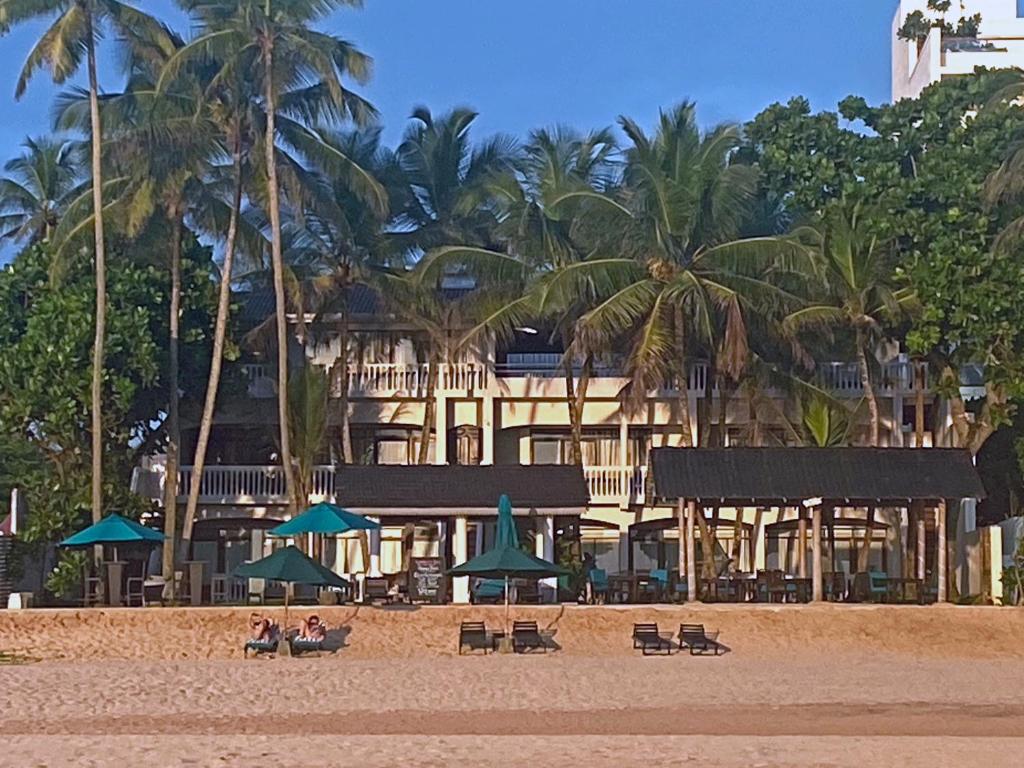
{"points": [[506, 605]]}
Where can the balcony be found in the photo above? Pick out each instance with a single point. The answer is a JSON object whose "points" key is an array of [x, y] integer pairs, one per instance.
{"points": [[251, 484], [616, 485], [257, 485], [843, 379], [383, 379]]}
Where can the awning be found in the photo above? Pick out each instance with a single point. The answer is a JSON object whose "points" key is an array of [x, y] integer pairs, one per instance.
{"points": [[461, 489], [766, 476]]}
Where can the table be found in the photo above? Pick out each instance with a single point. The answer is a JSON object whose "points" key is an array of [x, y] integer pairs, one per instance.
{"points": [[738, 589], [900, 590]]}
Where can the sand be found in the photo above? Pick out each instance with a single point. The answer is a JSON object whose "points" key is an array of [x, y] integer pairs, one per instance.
{"points": [[802, 686]]}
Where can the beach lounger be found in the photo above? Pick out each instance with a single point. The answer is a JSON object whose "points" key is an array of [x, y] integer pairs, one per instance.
{"points": [[694, 638], [260, 646], [648, 639], [526, 637], [300, 645], [473, 635]]}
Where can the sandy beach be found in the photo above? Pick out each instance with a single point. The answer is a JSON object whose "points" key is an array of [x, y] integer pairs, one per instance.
{"points": [[802, 686]]}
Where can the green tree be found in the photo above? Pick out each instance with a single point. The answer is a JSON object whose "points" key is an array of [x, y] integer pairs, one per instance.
{"points": [[922, 165], [40, 184], [46, 328], [60, 49]]}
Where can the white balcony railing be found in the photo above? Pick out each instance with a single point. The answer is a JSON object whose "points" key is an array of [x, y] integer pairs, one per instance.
{"points": [[251, 484], [615, 484], [897, 377], [411, 379], [265, 484]]}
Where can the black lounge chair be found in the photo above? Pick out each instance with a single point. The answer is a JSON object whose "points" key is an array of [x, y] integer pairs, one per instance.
{"points": [[698, 641], [648, 639], [261, 646], [473, 635], [377, 590], [300, 645], [526, 637]]}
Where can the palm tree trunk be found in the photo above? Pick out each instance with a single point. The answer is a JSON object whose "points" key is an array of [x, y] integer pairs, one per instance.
{"points": [[577, 398], [864, 554], [428, 411], [919, 382], [277, 261], [173, 422], [869, 389], [684, 381], [346, 431], [101, 275], [217, 357]]}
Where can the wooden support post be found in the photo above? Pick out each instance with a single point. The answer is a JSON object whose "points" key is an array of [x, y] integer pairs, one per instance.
{"points": [[691, 551], [681, 528], [801, 544], [920, 544], [816, 580], [940, 556]]}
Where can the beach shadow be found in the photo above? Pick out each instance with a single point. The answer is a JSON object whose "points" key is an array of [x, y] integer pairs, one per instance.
{"points": [[548, 636], [337, 638]]}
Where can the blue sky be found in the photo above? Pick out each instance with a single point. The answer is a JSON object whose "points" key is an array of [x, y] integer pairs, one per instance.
{"points": [[581, 62]]}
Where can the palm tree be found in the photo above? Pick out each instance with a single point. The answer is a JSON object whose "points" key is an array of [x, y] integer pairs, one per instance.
{"points": [[447, 178], [300, 72], [41, 183], [341, 234], [60, 49], [553, 212], [857, 291]]}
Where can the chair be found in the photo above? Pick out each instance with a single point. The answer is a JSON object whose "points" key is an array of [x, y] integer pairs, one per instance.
{"points": [[473, 635], [599, 588], [376, 590], [300, 645], [526, 637], [659, 579], [835, 586], [94, 591], [488, 591], [694, 638], [871, 586], [219, 592], [648, 639], [263, 646], [528, 593]]}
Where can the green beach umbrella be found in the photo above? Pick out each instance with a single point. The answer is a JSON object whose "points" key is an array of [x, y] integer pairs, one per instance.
{"points": [[113, 529], [507, 534], [288, 564], [506, 561], [324, 518]]}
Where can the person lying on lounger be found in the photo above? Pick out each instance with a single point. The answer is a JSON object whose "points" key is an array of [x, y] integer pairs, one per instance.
{"points": [[262, 628], [312, 628]]}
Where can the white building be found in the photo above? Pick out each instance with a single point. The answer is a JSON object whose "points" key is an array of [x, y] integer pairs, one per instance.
{"points": [[1000, 43], [506, 405]]}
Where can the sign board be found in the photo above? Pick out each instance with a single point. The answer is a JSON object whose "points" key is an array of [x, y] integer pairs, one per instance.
{"points": [[427, 580]]}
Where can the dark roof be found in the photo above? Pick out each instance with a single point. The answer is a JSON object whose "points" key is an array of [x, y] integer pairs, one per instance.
{"points": [[793, 474], [540, 486], [257, 305]]}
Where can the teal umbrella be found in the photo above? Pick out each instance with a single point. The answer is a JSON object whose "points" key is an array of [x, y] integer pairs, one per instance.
{"points": [[113, 529], [289, 564], [326, 519], [507, 534]]}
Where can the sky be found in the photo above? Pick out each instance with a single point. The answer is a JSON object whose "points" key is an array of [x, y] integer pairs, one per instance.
{"points": [[579, 62]]}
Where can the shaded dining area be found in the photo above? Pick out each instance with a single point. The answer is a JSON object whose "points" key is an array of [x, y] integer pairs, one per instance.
{"points": [[793, 525]]}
